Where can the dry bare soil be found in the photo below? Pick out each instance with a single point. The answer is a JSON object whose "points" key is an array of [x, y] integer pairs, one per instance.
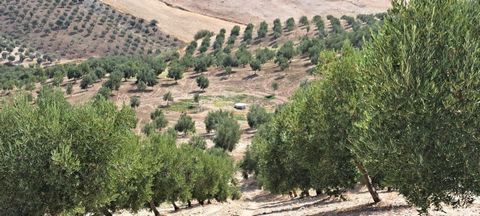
{"points": [[183, 18], [180, 23], [258, 202], [259, 10]]}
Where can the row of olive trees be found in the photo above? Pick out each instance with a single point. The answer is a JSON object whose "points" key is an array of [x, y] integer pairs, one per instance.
{"points": [[56, 158], [146, 69], [401, 113]]}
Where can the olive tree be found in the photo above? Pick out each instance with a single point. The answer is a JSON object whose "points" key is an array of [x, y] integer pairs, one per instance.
{"points": [[227, 134], [262, 30], [420, 104], [63, 159], [185, 124], [202, 82], [257, 116]]}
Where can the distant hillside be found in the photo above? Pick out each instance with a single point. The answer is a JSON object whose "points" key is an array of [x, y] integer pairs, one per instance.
{"points": [[12, 52], [80, 28], [260, 10]]}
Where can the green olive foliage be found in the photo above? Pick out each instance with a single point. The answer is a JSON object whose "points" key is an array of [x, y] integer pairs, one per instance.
{"points": [[257, 115], [227, 134], [419, 121], [404, 108], [59, 159], [214, 118], [185, 124]]}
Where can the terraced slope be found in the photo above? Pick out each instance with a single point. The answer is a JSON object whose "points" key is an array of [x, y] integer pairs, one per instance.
{"points": [[80, 28]]}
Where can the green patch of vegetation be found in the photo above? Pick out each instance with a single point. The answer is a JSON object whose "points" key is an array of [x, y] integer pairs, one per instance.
{"points": [[239, 117], [182, 105]]}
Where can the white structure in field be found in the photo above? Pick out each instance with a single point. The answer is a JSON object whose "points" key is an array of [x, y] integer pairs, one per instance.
{"points": [[240, 106]]}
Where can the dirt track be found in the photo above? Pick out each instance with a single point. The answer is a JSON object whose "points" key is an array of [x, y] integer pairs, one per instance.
{"points": [[358, 202], [179, 23], [259, 10]]}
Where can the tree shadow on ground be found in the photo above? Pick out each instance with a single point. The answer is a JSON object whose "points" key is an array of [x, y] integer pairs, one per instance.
{"points": [[166, 85], [280, 77], [249, 77], [309, 202], [364, 209], [222, 74], [195, 75], [139, 91], [196, 92]]}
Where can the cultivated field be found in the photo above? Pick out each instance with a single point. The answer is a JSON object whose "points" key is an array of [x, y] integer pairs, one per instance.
{"points": [[80, 29], [241, 86], [260, 10], [180, 23], [73, 31]]}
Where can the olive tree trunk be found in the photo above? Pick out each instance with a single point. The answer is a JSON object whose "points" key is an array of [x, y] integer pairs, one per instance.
{"points": [[154, 208], [368, 182]]}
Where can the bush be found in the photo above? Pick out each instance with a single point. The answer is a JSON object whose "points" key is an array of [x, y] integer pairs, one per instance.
{"points": [[73, 157], [190, 50], [159, 119], [114, 81], [134, 101], [256, 65], [202, 82], [86, 81], [243, 56], [304, 21], [69, 89], [175, 71], [214, 118], [205, 44], [227, 134], [257, 116], [235, 31], [202, 33], [104, 92], [141, 86], [168, 97], [198, 142], [185, 124], [147, 76], [290, 24], [262, 30], [202, 63], [277, 28], [247, 35], [264, 55]]}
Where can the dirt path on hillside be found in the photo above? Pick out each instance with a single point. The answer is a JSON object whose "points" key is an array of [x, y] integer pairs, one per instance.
{"points": [[259, 10], [358, 202], [179, 23]]}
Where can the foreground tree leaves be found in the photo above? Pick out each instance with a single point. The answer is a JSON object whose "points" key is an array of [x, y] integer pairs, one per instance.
{"points": [[57, 158], [404, 110], [61, 159], [419, 121]]}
